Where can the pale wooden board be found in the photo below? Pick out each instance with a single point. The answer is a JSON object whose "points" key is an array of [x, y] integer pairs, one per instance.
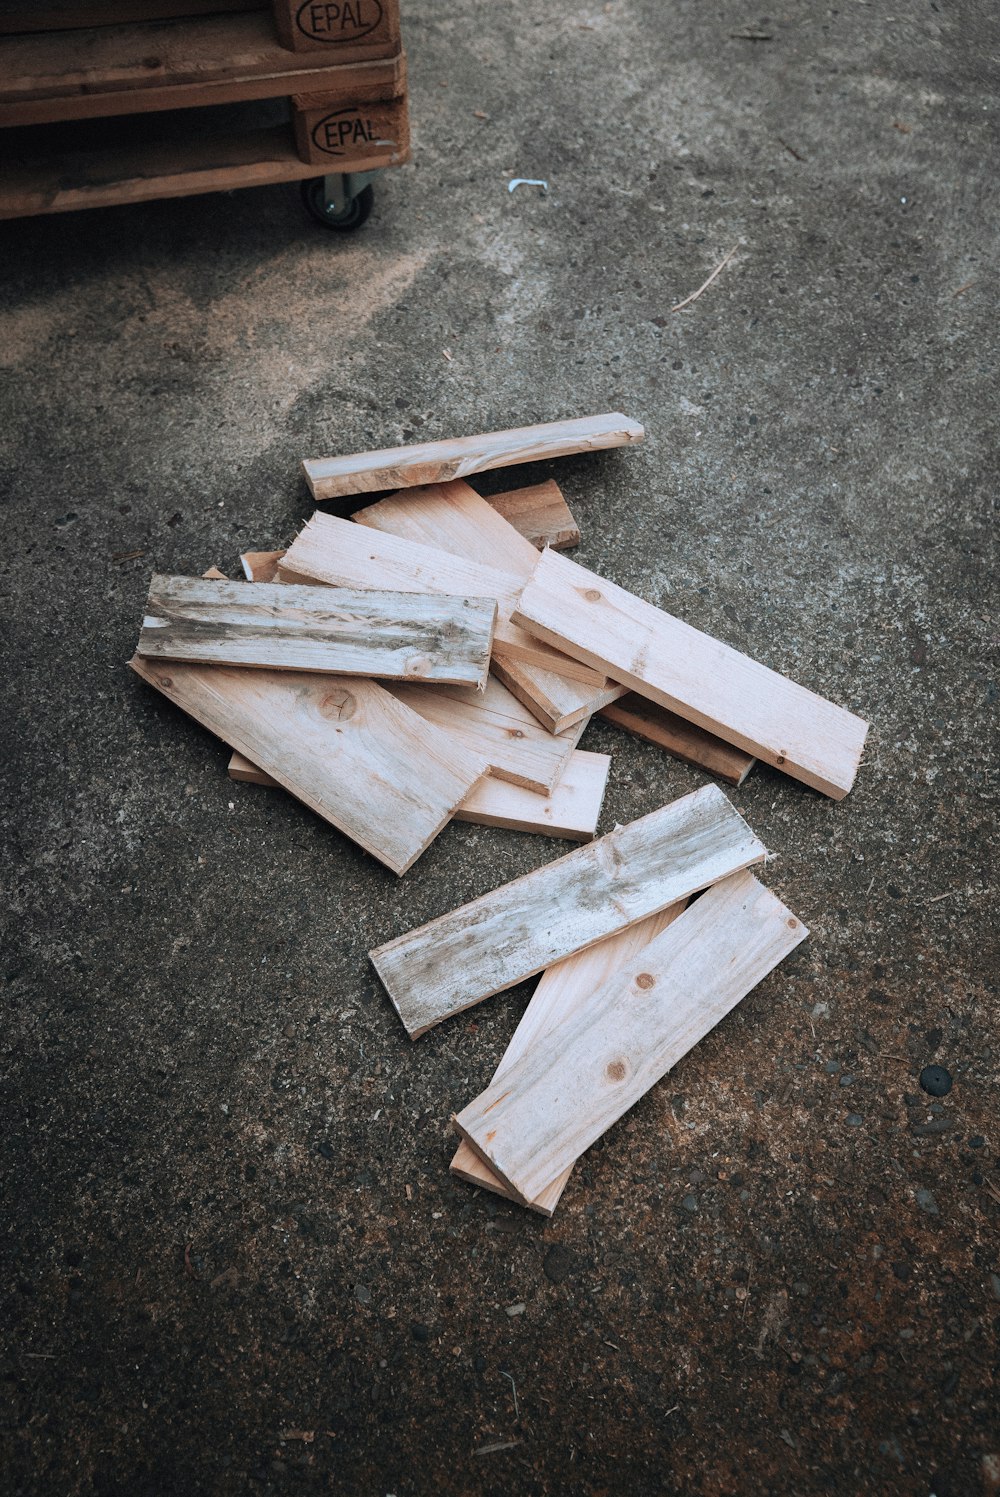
{"points": [[497, 727], [540, 513], [563, 991], [336, 552], [436, 462], [343, 631], [694, 675], [349, 750], [504, 937], [552, 1104], [455, 518], [684, 740], [261, 566], [571, 811]]}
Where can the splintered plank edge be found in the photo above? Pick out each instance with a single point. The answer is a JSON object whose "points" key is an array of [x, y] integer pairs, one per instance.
{"points": [[519, 929]]}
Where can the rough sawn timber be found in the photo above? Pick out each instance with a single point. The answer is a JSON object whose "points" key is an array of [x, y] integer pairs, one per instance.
{"points": [[563, 991], [540, 513], [694, 675], [683, 740], [437, 462], [377, 771], [547, 1109], [506, 936]]}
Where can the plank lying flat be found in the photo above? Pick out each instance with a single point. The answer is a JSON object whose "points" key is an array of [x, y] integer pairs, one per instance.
{"points": [[540, 513], [540, 1116], [22, 15], [684, 740], [519, 929], [571, 811], [436, 462], [455, 518], [562, 993], [344, 631], [261, 566], [498, 728], [340, 554], [349, 750], [51, 76], [694, 675]]}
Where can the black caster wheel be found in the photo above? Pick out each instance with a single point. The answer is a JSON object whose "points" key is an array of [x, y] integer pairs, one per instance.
{"points": [[353, 216]]}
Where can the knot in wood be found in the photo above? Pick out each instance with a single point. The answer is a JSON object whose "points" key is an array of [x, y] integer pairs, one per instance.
{"points": [[338, 705], [592, 595], [616, 1071], [645, 980]]}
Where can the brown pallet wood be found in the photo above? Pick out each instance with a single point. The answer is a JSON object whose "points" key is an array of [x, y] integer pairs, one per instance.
{"points": [[328, 131], [20, 15], [336, 26], [49, 77]]}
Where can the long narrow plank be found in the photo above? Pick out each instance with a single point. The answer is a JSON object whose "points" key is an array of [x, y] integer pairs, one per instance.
{"points": [[23, 15], [683, 740], [497, 727], [563, 991], [694, 675], [540, 513], [349, 750], [571, 811], [341, 631], [519, 929], [532, 1124], [455, 518], [340, 554], [436, 462]]}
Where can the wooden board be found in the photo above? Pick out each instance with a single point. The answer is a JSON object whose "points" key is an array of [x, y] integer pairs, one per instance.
{"points": [[349, 750], [437, 462], [571, 811], [694, 675], [336, 552], [563, 992], [540, 513], [455, 518], [521, 928], [497, 727], [261, 566], [51, 76], [683, 740], [70, 15], [547, 1109], [344, 631]]}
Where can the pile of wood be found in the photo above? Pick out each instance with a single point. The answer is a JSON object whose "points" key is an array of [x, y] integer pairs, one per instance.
{"points": [[422, 661]]}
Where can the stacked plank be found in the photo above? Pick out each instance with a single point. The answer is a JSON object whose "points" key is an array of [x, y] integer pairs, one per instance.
{"points": [[436, 657], [340, 67]]}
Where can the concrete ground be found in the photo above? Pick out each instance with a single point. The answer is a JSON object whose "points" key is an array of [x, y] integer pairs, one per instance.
{"points": [[234, 1258]]}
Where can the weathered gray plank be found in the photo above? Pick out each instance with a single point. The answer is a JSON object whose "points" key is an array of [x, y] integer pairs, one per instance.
{"points": [[522, 927], [535, 1120], [344, 631]]}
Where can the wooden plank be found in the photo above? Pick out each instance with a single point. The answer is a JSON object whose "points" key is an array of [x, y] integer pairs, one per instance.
{"points": [[436, 462], [334, 551], [563, 992], [337, 27], [548, 1108], [498, 728], [571, 811], [694, 675], [504, 937], [330, 130], [22, 15], [47, 77], [683, 740], [540, 513], [455, 518], [349, 750], [261, 566], [343, 631]]}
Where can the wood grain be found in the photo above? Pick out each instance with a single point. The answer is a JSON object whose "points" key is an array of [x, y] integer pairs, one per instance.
{"points": [[71, 15], [557, 702], [540, 513], [437, 462], [344, 631], [563, 992], [519, 929], [683, 740], [379, 773], [550, 1106], [571, 811], [694, 675], [334, 551], [51, 76]]}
